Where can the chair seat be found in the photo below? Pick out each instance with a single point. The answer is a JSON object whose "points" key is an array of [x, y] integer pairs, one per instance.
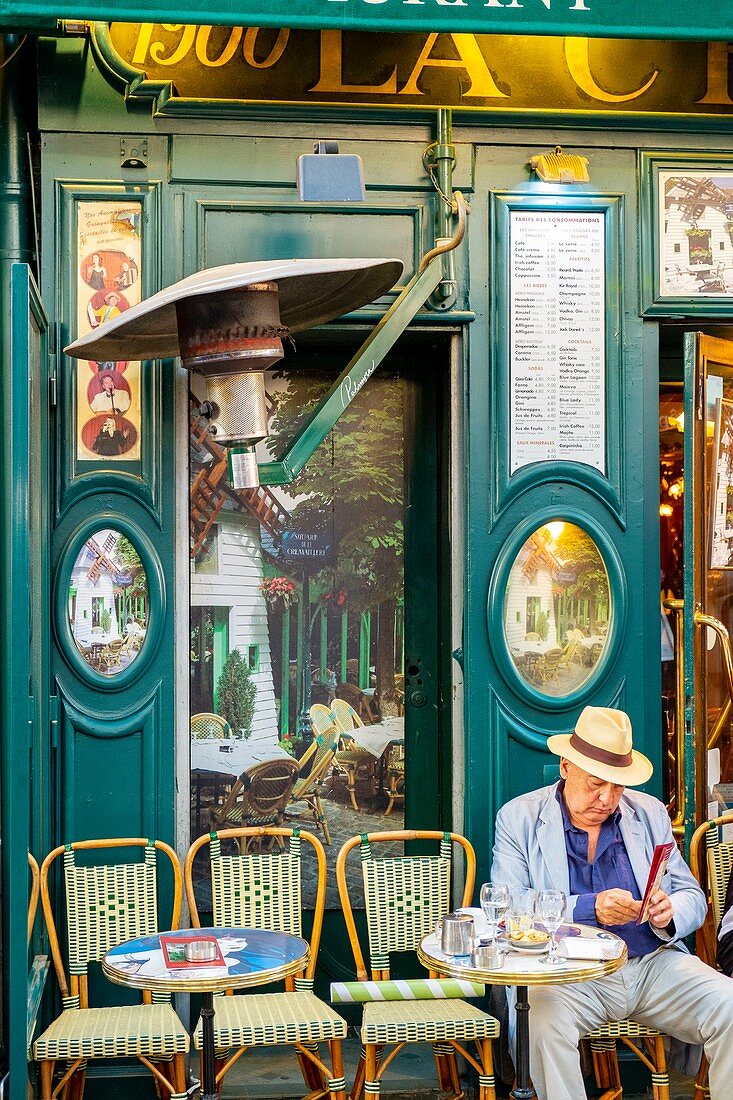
{"points": [[355, 756], [622, 1029], [425, 1022], [269, 1019], [151, 1030]]}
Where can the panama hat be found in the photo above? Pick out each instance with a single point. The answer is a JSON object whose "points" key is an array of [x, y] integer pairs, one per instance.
{"points": [[601, 746]]}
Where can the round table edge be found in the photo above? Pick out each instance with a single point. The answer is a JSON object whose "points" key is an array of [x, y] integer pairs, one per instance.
{"points": [[558, 976], [212, 985]]}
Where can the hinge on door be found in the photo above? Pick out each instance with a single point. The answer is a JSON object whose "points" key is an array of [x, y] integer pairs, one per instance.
{"points": [[53, 719]]}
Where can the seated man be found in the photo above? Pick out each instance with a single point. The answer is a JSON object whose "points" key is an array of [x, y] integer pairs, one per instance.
{"points": [[587, 836]]}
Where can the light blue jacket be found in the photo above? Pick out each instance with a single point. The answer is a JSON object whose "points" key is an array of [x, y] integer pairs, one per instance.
{"points": [[529, 850]]}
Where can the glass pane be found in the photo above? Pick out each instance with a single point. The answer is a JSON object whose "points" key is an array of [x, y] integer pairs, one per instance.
{"points": [[718, 587], [297, 619], [108, 602], [557, 608]]}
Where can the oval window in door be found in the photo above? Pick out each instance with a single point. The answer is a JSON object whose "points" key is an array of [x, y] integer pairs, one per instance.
{"points": [[557, 608], [108, 601]]}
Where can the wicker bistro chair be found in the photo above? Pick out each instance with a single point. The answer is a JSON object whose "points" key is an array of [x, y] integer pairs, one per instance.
{"points": [[321, 718], [263, 891], [395, 776], [206, 725], [405, 896], [713, 873], [355, 761], [315, 765], [258, 797], [105, 905]]}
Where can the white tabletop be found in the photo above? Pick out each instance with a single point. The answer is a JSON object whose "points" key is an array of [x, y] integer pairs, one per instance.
{"points": [[525, 968], [231, 756], [534, 647], [377, 737]]}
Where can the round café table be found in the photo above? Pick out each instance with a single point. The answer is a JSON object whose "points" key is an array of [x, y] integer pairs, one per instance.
{"points": [[522, 968], [251, 957]]}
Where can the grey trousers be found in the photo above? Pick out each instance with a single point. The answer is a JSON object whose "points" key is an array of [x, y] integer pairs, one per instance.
{"points": [[669, 990]]}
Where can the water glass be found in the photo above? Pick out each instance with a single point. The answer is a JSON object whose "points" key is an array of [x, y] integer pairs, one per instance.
{"points": [[551, 906], [494, 899], [520, 917]]}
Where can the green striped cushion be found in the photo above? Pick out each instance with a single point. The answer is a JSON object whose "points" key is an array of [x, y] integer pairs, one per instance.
{"points": [[413, 989]]}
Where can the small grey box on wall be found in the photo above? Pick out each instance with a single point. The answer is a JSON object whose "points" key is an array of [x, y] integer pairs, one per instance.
{"points": [[325, 175]]}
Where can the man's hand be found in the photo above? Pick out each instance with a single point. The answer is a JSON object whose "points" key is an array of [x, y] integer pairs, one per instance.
{"points": [[617, 907], [661, 912]]}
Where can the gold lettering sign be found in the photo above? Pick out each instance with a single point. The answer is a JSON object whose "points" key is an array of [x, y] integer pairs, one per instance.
{"points": [[475, 72]]}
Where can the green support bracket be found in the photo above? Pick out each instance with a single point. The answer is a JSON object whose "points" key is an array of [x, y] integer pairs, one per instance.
{"points": [[285, 674], [344, 645], [374, 349], [365, 649]]}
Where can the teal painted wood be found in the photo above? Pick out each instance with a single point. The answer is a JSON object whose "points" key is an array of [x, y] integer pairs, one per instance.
{"points": [[27, 799], [662, 18], [116, 733], [508, 721]]}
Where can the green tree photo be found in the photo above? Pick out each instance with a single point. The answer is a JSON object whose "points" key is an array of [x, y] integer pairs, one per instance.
{"points": [[353, 486], [237, 694]]}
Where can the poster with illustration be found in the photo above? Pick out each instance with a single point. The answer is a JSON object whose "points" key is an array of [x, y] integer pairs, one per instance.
{"points": [[108, 283]]}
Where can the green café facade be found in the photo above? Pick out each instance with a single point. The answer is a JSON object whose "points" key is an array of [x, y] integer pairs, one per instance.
{"points": [[570, 363]]}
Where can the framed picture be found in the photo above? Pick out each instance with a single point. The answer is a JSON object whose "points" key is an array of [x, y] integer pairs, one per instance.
{"points": [[687, 234], [720, 537]]}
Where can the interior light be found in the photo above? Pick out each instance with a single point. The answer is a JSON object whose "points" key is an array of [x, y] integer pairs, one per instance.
{"points": [[560, 167], [666, 509], [677, 422], [555, 528]]}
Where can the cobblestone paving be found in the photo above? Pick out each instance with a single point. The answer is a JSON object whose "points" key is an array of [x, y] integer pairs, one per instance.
{"points": [[343, 822]]}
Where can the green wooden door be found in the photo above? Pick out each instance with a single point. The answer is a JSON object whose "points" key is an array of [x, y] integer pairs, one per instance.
{"points": [[708, 560], [26, 752], [563, 573]]}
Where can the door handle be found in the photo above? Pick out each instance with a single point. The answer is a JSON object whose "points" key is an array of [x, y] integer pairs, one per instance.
{"points": [[703, 619]]}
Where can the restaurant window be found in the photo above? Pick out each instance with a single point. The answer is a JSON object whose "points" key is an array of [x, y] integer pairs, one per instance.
{"points": [[559, 580], [107, 601], [309, 578]]}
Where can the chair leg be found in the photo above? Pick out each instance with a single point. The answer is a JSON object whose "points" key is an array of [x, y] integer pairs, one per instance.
{"points": [[337, 1084], [179, 1072], [486, 1081], [77, 1083], [47, 1069], [702, 1090], [660, 1078], [351, 785], [320, 817], [357, 1089], [371, 1081]]}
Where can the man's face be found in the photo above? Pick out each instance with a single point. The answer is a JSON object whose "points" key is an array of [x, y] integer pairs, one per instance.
{"points": [[589, 800], [108, 383], [109, 425]]}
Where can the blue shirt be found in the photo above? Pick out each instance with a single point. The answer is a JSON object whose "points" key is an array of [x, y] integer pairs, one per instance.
{"points": [[611, 869]]}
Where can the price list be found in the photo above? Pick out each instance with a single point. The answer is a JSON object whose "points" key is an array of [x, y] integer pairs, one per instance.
{"points": [[557, 337]]}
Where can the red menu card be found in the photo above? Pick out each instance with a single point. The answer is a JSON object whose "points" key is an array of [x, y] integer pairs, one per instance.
{"points": [[173, 948], [657, 870]]}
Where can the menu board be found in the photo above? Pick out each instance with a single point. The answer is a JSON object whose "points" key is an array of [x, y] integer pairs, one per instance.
{"points": [[557, 337]]}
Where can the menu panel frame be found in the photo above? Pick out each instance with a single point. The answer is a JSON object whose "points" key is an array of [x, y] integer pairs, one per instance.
{"points": [[606, 482]]}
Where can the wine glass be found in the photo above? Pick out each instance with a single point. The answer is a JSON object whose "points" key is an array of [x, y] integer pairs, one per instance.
{"points": [[551, 910], [494, 902]]}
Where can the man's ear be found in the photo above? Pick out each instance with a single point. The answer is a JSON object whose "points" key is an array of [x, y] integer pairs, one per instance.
{"points": [[564, 765]]}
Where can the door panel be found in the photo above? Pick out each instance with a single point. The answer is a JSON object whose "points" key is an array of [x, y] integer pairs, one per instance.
{"points": [[596, 645], [708, 577], [26, 757]]}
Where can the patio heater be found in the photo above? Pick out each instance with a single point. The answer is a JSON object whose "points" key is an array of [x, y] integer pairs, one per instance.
{"points": [[228, 324]]}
